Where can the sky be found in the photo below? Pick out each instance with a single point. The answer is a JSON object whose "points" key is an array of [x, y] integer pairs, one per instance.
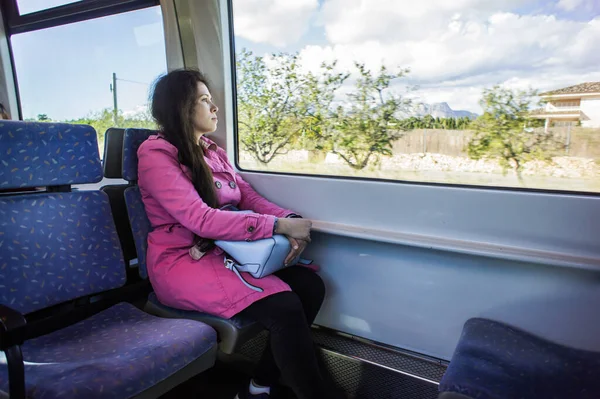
{"points": [[454, 48], [66, 71]]}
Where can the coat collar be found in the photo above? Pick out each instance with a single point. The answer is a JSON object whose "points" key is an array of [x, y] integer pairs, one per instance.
{"points": [[205, 142], [208, 144]]}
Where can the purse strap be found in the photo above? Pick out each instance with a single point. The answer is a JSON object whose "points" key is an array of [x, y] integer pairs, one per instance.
{"points": [[231, 265]]}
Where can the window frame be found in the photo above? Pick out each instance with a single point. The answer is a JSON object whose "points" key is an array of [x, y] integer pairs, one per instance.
{"points": [[56, 16], [236, 146], [67, 13]]}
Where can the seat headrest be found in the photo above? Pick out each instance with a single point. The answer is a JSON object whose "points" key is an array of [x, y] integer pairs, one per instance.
{"points": [[132, 140], [47, 154], [113, 153]]}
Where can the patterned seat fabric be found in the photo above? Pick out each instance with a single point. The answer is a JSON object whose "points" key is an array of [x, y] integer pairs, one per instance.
{"points": [[496, 361], [56, 247], [112, 163], [131, 142], [117, 353], [48, 154], [140, 226]]}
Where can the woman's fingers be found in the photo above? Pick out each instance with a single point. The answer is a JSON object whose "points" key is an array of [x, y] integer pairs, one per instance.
{"points": [[297, 247]]}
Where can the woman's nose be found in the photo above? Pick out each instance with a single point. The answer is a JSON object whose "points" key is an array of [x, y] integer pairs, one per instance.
{"points": [[214, 108]]}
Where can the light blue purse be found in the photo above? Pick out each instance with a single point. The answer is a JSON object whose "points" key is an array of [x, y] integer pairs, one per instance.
{"points": [[259, 258]]}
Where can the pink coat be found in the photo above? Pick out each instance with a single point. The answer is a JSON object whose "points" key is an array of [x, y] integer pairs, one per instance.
{"points": [[176, 212]]}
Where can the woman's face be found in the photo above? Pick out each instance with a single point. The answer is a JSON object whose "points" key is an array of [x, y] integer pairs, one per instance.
{"points": [[204, 116]]}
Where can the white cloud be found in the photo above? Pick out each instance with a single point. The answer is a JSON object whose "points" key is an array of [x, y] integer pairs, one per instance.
{"points": [[465, 94], [275, 22], [349, 21], [457, 48], [138, 110]]}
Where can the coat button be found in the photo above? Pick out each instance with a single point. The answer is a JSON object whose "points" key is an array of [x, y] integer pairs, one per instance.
{"points": [[250, 229], [232, 184], [218, 184], [248, 240]]}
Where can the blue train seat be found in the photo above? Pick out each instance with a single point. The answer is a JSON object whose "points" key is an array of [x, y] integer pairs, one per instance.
{"points": [[494, 360], [58, 245], [231, 332], [111, 163]]}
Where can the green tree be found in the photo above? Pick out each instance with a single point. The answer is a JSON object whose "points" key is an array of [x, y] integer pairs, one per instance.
{"points": [[429, 122], [453, 123], [463, 123], [102, 120], [368, 125], [410, 123], [504, 131], [269, 93], [315, 107]]}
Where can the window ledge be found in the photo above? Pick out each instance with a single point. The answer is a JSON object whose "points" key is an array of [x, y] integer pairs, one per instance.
{"points": [[459, 246]]}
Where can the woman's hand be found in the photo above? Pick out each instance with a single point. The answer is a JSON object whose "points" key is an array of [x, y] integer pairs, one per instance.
{"points": [[294, 228], [298, 247]]}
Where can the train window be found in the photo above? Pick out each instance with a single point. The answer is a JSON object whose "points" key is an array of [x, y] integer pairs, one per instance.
{"points": [[476, 93], [96, 71], [30, 6]]}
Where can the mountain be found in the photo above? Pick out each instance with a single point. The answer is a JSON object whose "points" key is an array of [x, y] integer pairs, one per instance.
{"points": [[441, 110], [468, 114]]}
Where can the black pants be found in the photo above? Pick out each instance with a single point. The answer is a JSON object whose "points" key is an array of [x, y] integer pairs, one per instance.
{"points": [[288, 316]]}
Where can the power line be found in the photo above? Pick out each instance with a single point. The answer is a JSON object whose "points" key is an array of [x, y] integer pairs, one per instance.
{"points": [[134, 81], [113, 88]]}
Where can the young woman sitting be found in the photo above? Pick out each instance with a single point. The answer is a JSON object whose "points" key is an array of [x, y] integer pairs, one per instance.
{"points": [[185, 179]]}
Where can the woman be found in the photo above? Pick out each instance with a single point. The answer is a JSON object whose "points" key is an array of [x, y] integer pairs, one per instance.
{"points": [[185, 179]]}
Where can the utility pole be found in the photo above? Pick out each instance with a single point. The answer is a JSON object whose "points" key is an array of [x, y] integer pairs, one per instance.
{"points": [[113, 88]]}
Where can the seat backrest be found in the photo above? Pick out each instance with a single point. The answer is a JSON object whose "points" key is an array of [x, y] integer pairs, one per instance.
{"points": [[495, 359], [140, 225], [54, 246], [113, 166], [132, 140], [113, 153], [116, 193], [47, 154]]}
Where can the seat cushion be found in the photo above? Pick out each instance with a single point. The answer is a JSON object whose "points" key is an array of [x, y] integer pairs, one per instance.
{"points": [[232, 332], [117, 353], [494, 360]]}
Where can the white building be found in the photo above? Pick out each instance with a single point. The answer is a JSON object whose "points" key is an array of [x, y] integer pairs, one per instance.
{"points": [[571, 105]]}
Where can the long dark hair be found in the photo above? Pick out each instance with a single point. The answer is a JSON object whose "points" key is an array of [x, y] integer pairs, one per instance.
{"points": [[173, 101]]}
